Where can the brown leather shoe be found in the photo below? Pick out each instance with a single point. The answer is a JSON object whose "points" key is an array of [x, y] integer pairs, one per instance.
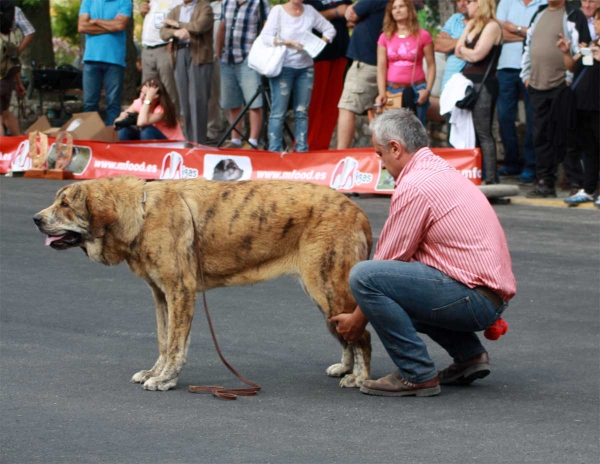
{"points": [[466, 372], [394, 385]]}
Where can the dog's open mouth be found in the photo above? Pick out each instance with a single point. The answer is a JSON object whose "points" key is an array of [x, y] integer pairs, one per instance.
{"points": [[67, 240]]}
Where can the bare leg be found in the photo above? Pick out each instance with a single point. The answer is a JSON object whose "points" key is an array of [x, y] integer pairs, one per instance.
{"points": [[345, 129]]}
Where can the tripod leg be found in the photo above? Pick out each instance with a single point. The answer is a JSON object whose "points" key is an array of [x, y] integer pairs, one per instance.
{"points": [[231, 128]]}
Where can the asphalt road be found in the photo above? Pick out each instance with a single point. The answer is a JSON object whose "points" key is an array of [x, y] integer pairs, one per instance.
{"points": [[73, 332]]}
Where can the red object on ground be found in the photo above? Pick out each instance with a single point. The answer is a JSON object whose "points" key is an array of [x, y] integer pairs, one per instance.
{"points": [[496, 330]]}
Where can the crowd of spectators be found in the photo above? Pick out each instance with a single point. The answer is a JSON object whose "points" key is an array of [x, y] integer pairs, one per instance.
{"points": [[515, 49]]}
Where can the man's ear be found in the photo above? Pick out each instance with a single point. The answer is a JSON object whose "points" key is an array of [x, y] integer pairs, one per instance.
{"points": [[102, 212], [396, 149]]}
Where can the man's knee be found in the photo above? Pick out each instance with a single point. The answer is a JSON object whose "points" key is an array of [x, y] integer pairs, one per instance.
{"points": [[360, 275]]}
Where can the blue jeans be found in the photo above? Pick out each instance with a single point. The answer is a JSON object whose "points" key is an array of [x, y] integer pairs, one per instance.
{"points": [[95, 73], [421, 109], [143, 133], [400, 299], [511, 86], [300, 83]]}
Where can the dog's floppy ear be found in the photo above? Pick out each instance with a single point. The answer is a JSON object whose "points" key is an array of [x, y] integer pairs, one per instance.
{"points": [[102, 211]]}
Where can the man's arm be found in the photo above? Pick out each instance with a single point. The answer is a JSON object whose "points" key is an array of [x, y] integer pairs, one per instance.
{"points": [[444, 43], [27, 29], [220, 42], [112, 25], [84, 26], [204, 22], [25, 43]]}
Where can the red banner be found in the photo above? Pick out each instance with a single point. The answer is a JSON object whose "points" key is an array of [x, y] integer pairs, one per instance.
{"points": [[356, 170]]}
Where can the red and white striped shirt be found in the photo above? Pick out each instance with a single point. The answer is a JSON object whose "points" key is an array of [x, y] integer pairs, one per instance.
{"points": [[440, 218]]}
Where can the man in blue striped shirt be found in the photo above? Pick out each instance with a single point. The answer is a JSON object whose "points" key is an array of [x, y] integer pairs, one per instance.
{"points": [[241, 21]]}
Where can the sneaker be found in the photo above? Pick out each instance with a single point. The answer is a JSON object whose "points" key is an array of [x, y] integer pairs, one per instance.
{"points": [[597, 202], [578, 198], [394, 385], [230, 144], [542, 190], [467, 372], [526, 178], [506, 171]]}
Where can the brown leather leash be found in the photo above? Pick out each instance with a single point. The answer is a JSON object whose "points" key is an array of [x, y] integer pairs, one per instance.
{"points": [[218, 391]]}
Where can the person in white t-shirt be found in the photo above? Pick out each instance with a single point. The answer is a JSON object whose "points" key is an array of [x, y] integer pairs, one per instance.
{"points": [[156, 59], [286, 25]]}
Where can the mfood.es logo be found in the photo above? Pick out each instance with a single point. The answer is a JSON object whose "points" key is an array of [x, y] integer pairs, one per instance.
{"points": [[173, 168], [346, 175]]}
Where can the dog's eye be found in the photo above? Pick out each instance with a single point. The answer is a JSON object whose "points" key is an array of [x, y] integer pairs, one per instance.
{"points": [[64, 204]]}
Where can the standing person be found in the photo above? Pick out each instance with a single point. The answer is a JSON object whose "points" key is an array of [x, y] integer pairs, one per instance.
{"points": [[157, 117], [515, 17], [286, 25], [441, 267], [330, 66], [445, 42], [104, 22], [587, 96], [400, 51], [360, 85], [589, 8], [9, 60], [22, 23], [480, 47], [190, 28], [241, 21], [217, 120], [544, 74], [156, 59]]}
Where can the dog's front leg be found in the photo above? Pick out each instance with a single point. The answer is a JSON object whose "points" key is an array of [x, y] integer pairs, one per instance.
{"points": [[160, 304], [180, 299]]}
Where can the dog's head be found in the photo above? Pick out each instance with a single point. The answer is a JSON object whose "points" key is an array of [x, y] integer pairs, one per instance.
{"points": [[85, 214], [227, 170]]}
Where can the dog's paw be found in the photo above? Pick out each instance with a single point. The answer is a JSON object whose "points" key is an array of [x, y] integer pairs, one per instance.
{"points": [[141, 376], [352, 381], [338, 370], [158, 384]]}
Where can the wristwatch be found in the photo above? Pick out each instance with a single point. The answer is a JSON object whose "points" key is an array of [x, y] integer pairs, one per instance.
{"points": [[147, 102], [519, 30]]}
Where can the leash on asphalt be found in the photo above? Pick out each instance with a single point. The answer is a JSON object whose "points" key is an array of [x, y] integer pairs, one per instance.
{"points": [[218, 391]]}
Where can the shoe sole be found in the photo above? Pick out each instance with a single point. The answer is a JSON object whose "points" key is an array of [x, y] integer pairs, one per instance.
{"points": [[423, 392], [468, 376]]}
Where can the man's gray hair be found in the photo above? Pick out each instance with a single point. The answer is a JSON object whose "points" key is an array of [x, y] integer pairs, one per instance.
{"points": [[401, 125]]}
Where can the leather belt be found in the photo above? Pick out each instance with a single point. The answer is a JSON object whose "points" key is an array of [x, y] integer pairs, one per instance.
{"points": [[490, 295], [184, 45], [393, 85], [152, 47]]}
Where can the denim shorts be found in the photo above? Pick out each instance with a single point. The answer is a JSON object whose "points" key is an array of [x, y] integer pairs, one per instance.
{"points": [[239, 83]]}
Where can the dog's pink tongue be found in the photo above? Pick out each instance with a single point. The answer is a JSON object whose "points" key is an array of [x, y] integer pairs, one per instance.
{"points": [[51, 239]]}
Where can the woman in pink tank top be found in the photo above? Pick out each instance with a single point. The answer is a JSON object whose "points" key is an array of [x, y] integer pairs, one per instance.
{"points": [[151, 117]]}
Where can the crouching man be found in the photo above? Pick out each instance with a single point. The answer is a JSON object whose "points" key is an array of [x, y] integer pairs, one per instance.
{"points": [[441, 267]]}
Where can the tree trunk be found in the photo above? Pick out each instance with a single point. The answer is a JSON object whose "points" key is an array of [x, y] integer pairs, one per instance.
{"points": [[40, 50], [446, 9], [132, 75]]}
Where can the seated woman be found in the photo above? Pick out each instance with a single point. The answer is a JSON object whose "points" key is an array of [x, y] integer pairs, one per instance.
{"points": [[156, 115], [400, 52]]}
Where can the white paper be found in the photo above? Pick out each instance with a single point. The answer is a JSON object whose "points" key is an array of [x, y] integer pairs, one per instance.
{"points": [[312, 44]]}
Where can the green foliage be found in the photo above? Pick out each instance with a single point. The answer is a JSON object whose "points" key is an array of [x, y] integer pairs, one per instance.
{"points": [[29, 3], [64, 20]]}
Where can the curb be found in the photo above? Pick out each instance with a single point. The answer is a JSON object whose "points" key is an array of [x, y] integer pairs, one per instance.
{"points": [[555, 203]]}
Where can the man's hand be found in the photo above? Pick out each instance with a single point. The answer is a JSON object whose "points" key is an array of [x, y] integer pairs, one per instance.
{"points": [[526, 83], [350, 326], [563, 44], [144, 8], [182, 34], [171, 22], [444, 35], [350, 15]]}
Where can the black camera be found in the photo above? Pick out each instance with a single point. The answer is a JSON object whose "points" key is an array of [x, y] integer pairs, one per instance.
{"points": [[130, 120]]}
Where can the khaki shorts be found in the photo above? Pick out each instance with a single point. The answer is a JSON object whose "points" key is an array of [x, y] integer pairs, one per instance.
{"points": [[360, 88]]}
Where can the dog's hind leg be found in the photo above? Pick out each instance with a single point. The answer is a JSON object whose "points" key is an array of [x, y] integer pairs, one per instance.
{"points": [[160, 304]]}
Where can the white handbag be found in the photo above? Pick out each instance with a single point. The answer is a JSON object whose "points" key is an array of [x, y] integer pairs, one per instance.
{"points": [[267, 59]]}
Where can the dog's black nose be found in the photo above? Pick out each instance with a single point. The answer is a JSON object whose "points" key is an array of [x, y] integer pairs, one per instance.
{"points": [[37, 219]]}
